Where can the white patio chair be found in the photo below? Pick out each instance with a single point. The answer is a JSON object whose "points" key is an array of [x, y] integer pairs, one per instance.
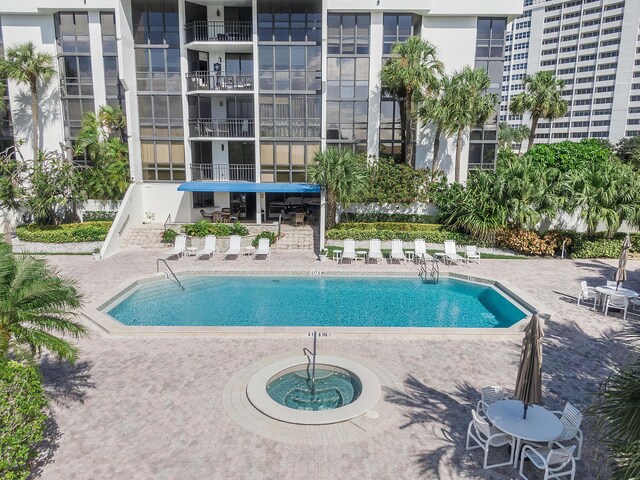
{"points": [[554, 461], [471, 253], [396, 251], [486, 436], [179, 247], [612, 283], [451, 253], [375, 252], [234, 247], [588, 293], [617, 301], [571, 419], [264, 249], [209, 247], [490, 395], [349, 251], [420, 250], [634, 306]]}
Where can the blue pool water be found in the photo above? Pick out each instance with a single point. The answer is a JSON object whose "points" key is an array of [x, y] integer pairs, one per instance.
{"points": [[316, 301]]}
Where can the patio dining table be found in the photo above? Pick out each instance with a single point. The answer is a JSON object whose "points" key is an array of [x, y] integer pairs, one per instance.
{"points": [[606, 290], [540, 426]]}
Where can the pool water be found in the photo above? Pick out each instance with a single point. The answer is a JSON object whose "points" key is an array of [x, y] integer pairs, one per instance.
{"points": [[332, 390], [316, 301]]}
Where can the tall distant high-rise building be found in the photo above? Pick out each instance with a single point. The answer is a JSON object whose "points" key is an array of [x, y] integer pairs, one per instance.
{"points": [[594, 46]]}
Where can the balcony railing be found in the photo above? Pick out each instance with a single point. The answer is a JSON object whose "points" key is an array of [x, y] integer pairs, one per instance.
{"points": [[202, 31], [219, 81], [299, 128], [206, 172], [222, 128]]}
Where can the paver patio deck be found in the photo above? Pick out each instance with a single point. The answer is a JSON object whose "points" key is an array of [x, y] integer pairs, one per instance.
{"points": [[152, 408]]}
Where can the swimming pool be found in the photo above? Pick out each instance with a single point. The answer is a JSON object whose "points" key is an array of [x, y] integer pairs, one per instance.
{"points": [[286, 301]]}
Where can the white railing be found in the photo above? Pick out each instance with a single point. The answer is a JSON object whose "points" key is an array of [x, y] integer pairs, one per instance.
{"points": [[234, 81], [130, 213], [205, 172], [221, 127]]}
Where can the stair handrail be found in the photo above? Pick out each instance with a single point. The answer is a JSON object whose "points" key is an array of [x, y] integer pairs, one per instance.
{"points": [[167, 265], [168, 220]]}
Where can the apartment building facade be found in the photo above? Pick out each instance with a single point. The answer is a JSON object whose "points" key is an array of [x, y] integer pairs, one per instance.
{"points": [[228, 101], [594, 46]]}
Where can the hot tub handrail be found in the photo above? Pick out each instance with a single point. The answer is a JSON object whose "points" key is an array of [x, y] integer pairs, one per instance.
{"points": [[307, 352], [167, 265]]}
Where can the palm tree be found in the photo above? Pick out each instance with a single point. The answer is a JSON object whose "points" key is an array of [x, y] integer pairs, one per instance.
{"points": [[414, 67], [342, 174], [510, 134], [470, 105], [35, 305], [436, 109], [25, 64], [542, 98]]}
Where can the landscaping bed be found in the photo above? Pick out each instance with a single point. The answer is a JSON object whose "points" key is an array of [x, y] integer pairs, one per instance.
{"points": [[65, 233]]}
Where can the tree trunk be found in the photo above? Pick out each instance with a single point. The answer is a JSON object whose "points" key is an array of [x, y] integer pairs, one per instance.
{"points": [[35, 119], [436, 149], [410, 149], [331, 211], [403, 132], [458, 153], [532, 133]]}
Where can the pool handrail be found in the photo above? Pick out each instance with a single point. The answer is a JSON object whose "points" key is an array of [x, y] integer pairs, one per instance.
{"points": [[167, 265]]}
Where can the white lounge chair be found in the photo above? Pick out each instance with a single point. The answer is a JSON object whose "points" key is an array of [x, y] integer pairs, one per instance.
{"points": [[234, 247], [617, 301], [486, 436], [420, 251], [471, 253], [396, 251], [554, 461], [349, 251], [588, 293], [375, 253], [264, 249], [450, 251], [490, 395], [571, 419], [209, 246], [179, 247]]}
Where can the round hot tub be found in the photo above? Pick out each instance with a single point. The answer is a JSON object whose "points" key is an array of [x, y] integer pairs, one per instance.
{"points": [[286, 391]]}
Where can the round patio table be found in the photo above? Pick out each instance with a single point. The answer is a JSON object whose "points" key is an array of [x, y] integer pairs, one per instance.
{"points": [[540, 426], [606, 290]]}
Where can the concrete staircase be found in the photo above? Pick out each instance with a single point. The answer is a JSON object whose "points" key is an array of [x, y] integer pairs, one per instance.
{"points": [[148, 236], [298, 238]]}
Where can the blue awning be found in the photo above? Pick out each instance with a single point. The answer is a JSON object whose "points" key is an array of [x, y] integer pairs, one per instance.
{"points": [[249, 187]]}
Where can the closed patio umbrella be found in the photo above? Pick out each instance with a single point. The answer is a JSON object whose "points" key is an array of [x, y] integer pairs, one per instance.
{"points": [[621, 273], [529, 380]]}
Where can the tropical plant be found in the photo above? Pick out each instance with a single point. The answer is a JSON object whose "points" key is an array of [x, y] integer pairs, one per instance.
{"points": [[470, 105], [3, 91], [437, 108], [101, 138], [342, 174], [542, 98], [25, 64], [628, 150], [414, 67], [569, 156], [22, 418], [272, 236], [510, 134], [35, 305], [13, 171]]}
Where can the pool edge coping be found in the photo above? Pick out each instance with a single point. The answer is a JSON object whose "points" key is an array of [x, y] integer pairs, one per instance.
{"points": [[93, 311]]}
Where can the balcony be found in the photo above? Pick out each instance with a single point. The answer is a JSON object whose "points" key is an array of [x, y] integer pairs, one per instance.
{"points": [[219, 82], [221, 128], [203, 31], [206, 172]]}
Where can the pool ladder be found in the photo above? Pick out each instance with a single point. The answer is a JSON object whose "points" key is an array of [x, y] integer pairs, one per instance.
{"points": [[429, 274], [173, 274]]}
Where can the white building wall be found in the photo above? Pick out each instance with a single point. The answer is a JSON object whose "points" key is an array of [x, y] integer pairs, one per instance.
{"points": [[375, 66], [97, 61]]}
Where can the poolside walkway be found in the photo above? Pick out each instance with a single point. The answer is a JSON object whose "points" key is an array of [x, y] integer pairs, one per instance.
{"points": [[153, 407]]}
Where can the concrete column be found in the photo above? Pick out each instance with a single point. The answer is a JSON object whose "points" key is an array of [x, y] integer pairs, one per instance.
{"points": [[323, 212], [375, 65], [323, 76], [97, 61], [184, 68], [256, 98]]}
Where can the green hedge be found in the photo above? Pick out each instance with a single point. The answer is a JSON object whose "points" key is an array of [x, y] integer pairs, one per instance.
{"points": [[430, 236], [22, 418], [98, 216], [204, 228], [400, 227], [66, 233], [387, 217], [600, 247]]}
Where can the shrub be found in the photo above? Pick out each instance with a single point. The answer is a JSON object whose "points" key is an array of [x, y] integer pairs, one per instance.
{"points": [[596, 248], [169, 236], [204, 228], [66, 233], [430, 236], [387, 217], [98, 216], [402, 227], [265, 234], [524, 241], [22, 418]]}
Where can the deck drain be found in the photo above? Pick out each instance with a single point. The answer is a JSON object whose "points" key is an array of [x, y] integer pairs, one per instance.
{"points": [[372, 414]]}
